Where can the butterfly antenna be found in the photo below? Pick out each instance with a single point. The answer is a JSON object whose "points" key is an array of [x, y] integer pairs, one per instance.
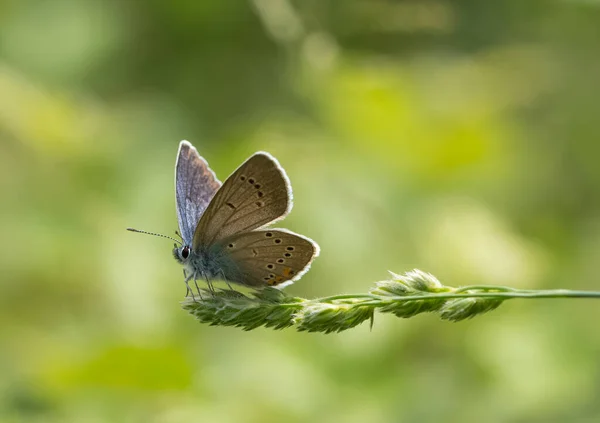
{"points": [[155, 234]]}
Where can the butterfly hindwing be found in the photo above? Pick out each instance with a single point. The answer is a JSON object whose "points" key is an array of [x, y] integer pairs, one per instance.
{"points": [[256, 194], [267, 257], [195, 186]]}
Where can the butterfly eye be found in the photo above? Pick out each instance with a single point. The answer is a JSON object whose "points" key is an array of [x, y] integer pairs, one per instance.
{"points": [[185, 252]]}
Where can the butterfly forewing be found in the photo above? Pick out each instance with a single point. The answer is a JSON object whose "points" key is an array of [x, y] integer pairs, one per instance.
{"points": [[268, 257], [256, 194], [195, 186]]}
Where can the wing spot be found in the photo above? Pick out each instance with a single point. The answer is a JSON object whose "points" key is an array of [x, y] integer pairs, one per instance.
{"points": [[277, 241], [260, 203], [280, 261], [288, 255], [254, 252], [270, 266], [230, 205], [242, 178], [290, 248], [251, 181], [271, 276], [257, 186], [260, 194], [269, 234], [230, 245]]}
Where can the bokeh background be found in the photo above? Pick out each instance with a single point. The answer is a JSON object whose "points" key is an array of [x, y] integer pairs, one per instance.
{"points": [[458, 137]]}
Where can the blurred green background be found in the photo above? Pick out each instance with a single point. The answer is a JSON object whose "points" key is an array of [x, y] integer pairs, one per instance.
{"points": [[458, 137]]}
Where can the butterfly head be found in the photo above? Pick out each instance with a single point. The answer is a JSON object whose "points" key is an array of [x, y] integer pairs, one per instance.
{"points": [[182, 253]]}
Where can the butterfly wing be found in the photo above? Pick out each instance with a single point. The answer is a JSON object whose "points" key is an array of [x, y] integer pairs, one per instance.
{"points": [[256, 194], [267, 257], [195, 185]]}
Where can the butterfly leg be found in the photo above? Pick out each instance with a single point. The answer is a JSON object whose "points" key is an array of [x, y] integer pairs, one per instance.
{"points": [[187, 286], [197, 287], [226, 281], [187, 279], [196, 283], [211, 288]]}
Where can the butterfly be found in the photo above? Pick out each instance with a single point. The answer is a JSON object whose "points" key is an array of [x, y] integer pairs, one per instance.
{"points": [[223, 226]]}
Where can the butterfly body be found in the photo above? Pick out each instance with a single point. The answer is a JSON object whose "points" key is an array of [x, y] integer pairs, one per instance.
{"points": [[209, 264], [222, 225]]}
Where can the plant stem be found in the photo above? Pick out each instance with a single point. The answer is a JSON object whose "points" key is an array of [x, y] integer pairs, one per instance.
{"points": [[380, 300], [404, 296]]}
